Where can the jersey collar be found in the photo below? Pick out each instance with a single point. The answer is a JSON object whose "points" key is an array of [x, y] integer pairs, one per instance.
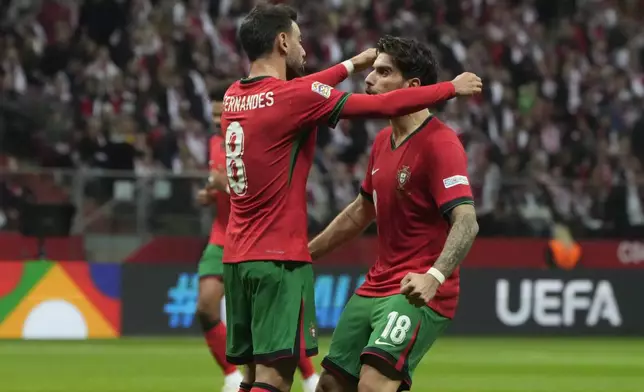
{"points": [[420, 127], [253, 80]]}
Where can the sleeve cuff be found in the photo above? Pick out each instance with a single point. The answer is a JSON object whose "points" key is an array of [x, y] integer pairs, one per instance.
{"points": [[337, 109], [452, 89], [349, 66], [366, 194], [449, 206]]}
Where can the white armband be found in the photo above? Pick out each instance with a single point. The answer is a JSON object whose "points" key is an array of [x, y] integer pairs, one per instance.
{"points": [[349, 66], [437, 274]]}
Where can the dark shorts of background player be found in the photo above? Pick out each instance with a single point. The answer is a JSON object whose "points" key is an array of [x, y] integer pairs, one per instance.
{"points": [[211, 263], [270, 311], [386, 327]]}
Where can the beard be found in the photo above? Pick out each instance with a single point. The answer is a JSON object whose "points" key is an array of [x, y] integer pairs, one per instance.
{"points": [[294, 69]]}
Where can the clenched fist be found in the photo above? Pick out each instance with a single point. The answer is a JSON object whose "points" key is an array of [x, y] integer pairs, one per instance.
{"points": [[419, 288], [467, 83]]}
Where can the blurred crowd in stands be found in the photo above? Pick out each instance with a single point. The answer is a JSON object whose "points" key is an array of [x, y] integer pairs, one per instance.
{"points": [[558, 134]]}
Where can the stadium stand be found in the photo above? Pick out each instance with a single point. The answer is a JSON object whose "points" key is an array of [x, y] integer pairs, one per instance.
{"points": [[126, 86]]}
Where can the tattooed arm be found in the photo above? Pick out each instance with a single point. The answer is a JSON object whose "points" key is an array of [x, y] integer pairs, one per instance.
{"points": [[461, 236], [421, 288]]}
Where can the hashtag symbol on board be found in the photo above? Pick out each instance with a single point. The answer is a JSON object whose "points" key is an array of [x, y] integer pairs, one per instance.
{"points": [[182, 301]]}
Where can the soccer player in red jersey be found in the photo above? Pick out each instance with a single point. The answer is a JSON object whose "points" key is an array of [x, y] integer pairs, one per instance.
{"points": [[416, 188], [211, 288], [269, 120], [211, 285]]}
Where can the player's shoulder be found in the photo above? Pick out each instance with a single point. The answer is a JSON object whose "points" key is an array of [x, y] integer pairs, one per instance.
{"points": [[309, 86], [439, 133], [233, 89]]}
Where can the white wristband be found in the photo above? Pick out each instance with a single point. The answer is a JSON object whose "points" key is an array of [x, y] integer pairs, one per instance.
{"points": [[349, 66], [437, 274]]}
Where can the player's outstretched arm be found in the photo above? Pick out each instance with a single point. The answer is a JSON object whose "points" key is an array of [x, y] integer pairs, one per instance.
{"points": [[336, 74], [409, 100], [350, 223]]}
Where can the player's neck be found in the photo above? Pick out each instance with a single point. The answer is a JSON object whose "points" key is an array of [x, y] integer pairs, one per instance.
{"points": [[403, 126], [268, 66]]}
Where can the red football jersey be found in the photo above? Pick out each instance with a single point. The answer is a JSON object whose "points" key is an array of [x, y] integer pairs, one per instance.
{"points": [[222, 200], [270, 140], [412, 187]]}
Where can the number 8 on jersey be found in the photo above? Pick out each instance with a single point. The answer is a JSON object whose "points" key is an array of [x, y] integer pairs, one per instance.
{"points": [[235, 168]]}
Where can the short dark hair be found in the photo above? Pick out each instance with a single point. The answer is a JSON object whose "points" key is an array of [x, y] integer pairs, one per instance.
{"points": [[260, 27], [412, 58]]}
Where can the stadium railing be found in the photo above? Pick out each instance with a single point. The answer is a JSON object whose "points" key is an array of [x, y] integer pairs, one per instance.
{"points": [[163, 203]]}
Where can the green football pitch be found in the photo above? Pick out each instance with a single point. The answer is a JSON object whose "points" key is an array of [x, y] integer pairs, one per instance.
{"points": [[453, 365]]}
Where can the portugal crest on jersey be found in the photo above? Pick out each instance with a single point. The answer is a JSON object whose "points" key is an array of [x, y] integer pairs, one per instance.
{"points": [[403, 176]]}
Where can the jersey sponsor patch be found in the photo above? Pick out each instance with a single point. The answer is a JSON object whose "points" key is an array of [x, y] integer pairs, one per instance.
{"points": [[322, 89], [455, 180]]}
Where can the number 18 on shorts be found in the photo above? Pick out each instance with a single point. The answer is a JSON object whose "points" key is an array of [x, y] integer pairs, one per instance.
{"points": [[385, 327]]}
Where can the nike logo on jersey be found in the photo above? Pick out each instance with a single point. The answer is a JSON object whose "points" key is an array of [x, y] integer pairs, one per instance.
{"points": [[374, 171], [381, 343]]}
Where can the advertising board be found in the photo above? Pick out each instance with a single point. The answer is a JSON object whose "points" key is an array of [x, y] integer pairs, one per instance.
{"points": [[161, 300]]}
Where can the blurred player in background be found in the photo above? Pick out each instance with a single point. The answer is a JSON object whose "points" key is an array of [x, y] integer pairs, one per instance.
{"points": [[417, 189], [269, 121], [211, 285]]}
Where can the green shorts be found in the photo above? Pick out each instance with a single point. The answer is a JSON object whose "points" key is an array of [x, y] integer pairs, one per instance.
{"points": [[387, 327], [211, 261], [270, 311]]}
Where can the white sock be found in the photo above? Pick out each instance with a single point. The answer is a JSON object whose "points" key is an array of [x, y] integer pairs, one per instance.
{"points": [[233, 378], [311, 382]]}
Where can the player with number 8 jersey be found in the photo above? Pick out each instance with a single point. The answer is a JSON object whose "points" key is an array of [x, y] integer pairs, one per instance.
{"points": [[269, 125]]}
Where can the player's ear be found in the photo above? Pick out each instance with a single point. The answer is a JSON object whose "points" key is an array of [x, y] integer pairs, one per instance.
{"points": [[282, 42], [415, 82]]}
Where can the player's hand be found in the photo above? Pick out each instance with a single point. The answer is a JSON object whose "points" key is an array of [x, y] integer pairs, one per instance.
{"points": [[203, 197], [467, 84], [218, 180], [364, 60], [419, 288]]}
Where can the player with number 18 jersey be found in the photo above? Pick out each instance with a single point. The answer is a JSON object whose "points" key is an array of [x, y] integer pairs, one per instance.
{"points": [[416, 188], [412, 186]]}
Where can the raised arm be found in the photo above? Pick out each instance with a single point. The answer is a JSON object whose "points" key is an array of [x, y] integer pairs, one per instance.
{"points": [[313, 102], [408, 100], [335, 75]]}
